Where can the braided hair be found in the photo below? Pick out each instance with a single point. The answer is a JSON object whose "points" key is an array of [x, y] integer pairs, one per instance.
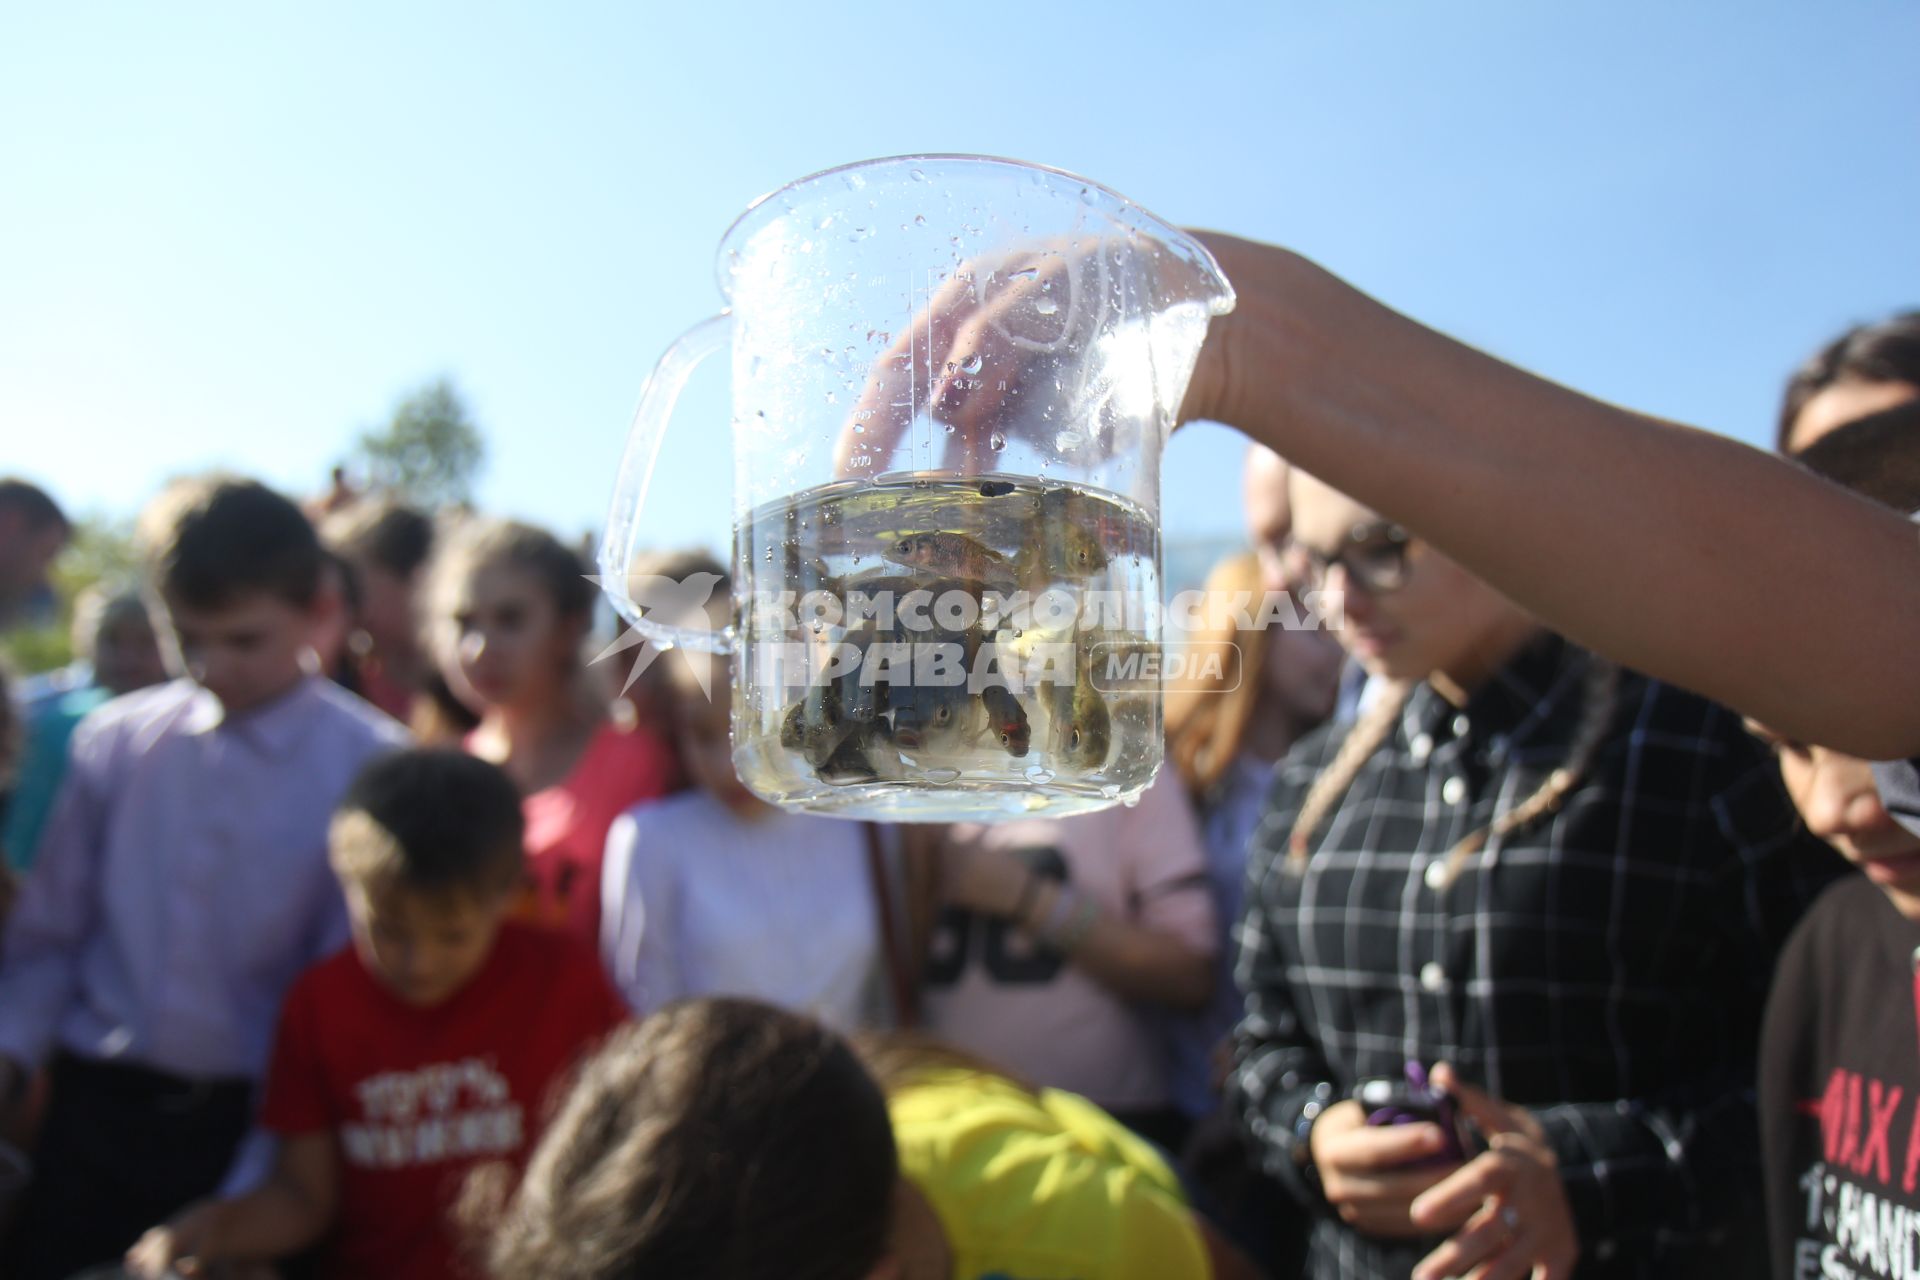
{"points": [[1371, 730]]}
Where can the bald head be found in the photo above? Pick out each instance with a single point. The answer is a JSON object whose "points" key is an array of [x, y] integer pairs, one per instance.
{"points": [[1264, 491]]}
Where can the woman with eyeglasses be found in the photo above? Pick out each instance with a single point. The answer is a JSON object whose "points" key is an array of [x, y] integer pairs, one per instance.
{"points": [[1554, 886]]}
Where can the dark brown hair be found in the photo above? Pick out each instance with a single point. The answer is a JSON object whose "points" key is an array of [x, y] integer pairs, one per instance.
{"points": [[32, 502], [380, 530], [485, 541], [719, 1139], [432, 821], [1877, 456], [1888, 351], [211, 541]]}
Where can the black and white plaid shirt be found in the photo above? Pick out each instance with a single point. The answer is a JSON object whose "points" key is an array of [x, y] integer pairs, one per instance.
{"points": [[1604, 966]]}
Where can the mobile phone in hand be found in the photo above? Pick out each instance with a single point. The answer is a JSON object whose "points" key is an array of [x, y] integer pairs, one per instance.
{"points": [[1418, 1101]]}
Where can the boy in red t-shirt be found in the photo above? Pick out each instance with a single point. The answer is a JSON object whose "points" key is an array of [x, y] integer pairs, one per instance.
{"points": [[421, 1052]]}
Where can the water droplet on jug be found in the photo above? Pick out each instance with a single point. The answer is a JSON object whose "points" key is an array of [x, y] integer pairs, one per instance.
{"points": [[1024, 273], [1039, 776], [1067, 440], [949, 428], [941, 777], [1132, 801], [996, 442], [917, 175], [824, 223], [834, 398], [1086, 195], [1046, 306], [857, 428], [919, 219], [972, 363], [1110, 792], [856, 181]]}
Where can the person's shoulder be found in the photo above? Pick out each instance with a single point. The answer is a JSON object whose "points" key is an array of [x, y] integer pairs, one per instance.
{"points": [[692, 810], [1849, 918], [1294, 772], [1318, 745], [630, 759], [1653, 711], [524, 944], [354, 717], [143, 715], [550, 966], [328, 984], [628, 740]]}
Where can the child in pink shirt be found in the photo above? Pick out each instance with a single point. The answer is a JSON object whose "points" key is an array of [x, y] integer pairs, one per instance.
{"points": [[508, 610]]}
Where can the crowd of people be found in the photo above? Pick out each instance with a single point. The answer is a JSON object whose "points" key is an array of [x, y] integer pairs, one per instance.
{"points": [[1546, 919]]}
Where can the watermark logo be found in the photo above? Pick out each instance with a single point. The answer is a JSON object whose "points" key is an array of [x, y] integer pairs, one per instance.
{"points": [[1121, 642], [1121, 667], [678, 603]]}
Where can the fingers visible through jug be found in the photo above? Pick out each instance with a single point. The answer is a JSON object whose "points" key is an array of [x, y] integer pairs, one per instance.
{"points": [[971, 359]]}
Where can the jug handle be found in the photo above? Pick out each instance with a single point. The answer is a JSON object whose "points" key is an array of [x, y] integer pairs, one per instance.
{"points": [[650, 418]]}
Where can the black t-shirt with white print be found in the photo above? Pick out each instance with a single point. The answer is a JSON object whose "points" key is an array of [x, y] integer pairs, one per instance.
{"points": [[1840, 1092]]}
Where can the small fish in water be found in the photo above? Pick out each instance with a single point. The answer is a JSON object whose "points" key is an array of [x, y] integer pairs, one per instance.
{"points": [[953, 555], [867, 754], [1062, 541], [933, 718], [929, 718], [1006, 720], [995, 488], [815, 726], [1080, 729]]}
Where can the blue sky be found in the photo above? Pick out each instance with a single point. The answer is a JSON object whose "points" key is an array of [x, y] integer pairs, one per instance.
{"points": [[235, 234]]}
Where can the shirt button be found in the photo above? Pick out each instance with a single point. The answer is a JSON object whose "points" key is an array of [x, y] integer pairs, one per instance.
{"points": [[1433, 978], [1420, 748], [1438, 875], [1454, 790], [1460, 726]]}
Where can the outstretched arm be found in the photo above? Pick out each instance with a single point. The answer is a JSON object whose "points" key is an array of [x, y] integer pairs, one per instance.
{"points": [[290, 1211], [1691, 557]]}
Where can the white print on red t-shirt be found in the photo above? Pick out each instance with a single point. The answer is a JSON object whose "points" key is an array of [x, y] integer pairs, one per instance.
{"points": [[1855, 1229], [447, 1111]]}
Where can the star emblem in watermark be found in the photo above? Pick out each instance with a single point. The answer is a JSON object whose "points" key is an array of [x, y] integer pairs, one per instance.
{"points": [[651, 600]]}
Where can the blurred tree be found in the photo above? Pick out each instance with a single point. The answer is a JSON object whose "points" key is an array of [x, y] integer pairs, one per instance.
{"points": [[102, 550], [428, 453]]}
